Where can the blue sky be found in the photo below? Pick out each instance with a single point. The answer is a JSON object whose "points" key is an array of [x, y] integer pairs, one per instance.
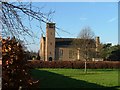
{"points": [[101, 17]]}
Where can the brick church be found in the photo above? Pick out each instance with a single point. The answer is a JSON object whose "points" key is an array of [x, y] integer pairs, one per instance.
{"points": [[52, 48]]}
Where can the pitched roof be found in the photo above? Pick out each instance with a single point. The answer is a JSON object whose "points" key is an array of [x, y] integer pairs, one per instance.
{"points": [[67, 42], [63, 42]]}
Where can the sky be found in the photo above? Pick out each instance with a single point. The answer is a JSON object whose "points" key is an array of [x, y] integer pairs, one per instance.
{"points": [[72, 17], [63, 0]]}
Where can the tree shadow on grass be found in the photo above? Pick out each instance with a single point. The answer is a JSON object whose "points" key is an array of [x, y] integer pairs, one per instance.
{"points": [[53, 80], [119, 77]]}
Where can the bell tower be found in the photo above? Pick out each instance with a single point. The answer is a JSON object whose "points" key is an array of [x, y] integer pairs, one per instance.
{"points": [[50, 42]]}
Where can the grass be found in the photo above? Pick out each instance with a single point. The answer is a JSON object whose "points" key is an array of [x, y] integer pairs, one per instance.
{"points": [[76, 78]]}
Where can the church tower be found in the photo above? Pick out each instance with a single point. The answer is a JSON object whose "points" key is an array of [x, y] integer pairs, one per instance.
{"points": [[50, 42]]}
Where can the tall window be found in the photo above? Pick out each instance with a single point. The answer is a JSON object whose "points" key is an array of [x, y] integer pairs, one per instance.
{"points": [[51, 33], [50, 43], [51, 25], [60, 53]]}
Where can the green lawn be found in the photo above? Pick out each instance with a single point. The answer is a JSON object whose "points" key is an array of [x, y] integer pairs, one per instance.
{"points": [[76, 78]]}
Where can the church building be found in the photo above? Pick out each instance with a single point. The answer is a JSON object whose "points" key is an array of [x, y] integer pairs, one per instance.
{"points": [[52, 48]]}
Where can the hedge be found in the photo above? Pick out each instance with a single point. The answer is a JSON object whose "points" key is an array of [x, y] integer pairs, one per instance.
{"points": [[74, 64]]}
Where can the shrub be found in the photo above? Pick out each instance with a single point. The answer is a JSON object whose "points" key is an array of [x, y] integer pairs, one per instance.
{"points": [[14, 71], [74, 64]]}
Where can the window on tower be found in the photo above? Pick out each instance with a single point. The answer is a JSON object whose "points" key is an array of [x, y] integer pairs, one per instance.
{"points": [[51, 33], [50, 43], [51, 25]]}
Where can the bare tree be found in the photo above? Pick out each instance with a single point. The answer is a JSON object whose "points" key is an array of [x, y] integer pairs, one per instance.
{"points": [[85, 43], [13, 17]]}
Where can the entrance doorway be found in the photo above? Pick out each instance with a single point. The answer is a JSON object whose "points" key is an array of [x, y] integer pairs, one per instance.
{"points": [[50, 58]]}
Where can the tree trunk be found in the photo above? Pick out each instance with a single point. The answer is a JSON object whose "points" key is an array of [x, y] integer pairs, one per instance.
{"points": [[85, 66]]}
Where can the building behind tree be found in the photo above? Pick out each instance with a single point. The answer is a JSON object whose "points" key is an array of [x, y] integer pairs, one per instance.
{"points": [[53, 48]]}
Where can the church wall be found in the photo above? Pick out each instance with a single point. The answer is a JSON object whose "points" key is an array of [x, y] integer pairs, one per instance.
{"points": [[66, 54]]}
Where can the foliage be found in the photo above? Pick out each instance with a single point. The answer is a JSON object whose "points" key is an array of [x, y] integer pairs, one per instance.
{"points": [[30, 55], [14, 69], [38, 56], [109, 52], [105, 51], [115, 53]]}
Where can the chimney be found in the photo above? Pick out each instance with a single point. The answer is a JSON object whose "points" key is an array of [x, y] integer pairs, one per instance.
{"points": [[97, 43]]}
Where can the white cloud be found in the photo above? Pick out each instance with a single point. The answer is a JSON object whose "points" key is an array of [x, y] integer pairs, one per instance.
{"points": [[112, 19]]}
